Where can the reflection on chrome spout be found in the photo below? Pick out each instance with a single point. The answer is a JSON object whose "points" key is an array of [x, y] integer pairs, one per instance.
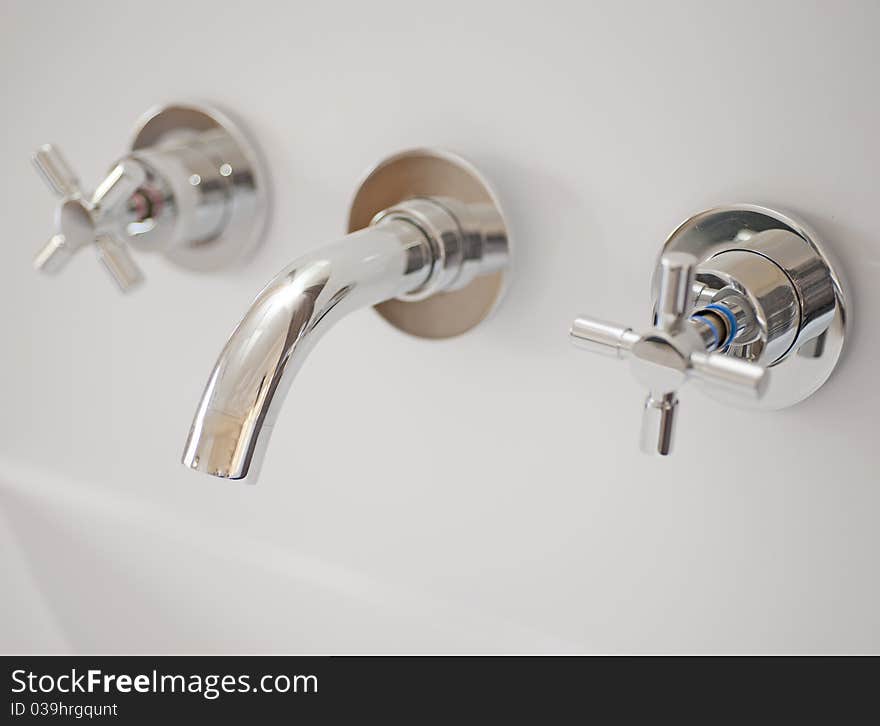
{"points": [[427, 223], [247, 386]]}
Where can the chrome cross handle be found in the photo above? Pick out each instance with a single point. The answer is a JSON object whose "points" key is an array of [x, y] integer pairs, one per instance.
{"points": [[738, 290], [83, 219], [681, 346], [191, 186]]}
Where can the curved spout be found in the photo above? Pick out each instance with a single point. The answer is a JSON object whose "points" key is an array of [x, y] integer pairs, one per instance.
{"points": [[256, 367]]}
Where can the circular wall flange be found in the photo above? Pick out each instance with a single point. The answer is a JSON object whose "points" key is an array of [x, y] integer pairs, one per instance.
{"points": [[812, 358], [430, 173], [245, 226]]}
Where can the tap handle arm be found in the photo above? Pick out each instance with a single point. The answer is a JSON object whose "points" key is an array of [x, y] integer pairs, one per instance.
{"points": [[56, 172], [54, 255], [118, 262], [676, 272], [111, 195], [604, 338], [121, 182], [658, 423], [731, 374], [676, 281], [82, 221]]}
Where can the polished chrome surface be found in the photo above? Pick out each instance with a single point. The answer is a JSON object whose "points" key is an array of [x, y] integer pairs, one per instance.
{"points": [[222, 177], [191, 187], [484, 270], [83, 219], [769, 296], [658, 423], [417, 246], [256, 367], [739, 292], [676, 281], [604, 338], [813, 276]]}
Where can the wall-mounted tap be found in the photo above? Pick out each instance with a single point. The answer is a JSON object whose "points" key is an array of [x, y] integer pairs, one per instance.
{"points": [[747, 304], [191, 186], [427, 245]]}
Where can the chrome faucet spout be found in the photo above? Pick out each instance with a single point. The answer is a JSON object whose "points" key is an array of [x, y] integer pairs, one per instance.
{"points": [[256, 367], [430, 251]]}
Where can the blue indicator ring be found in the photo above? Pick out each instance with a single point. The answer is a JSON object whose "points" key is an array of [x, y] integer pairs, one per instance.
{"points": [[731, 320], [712, 326]]}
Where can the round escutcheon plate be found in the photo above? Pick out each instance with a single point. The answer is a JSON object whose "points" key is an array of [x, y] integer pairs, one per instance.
{"points": [[246, 225], [812, 357], [430, 173]]}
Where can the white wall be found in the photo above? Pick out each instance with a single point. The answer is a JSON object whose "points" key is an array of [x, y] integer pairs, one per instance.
{"points": [[541, 528]]}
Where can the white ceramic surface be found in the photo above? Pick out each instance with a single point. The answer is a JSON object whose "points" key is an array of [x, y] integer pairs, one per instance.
{"points": [[602, 125]]}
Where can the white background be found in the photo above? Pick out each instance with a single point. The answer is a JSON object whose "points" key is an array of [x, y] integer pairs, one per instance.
{"points": [[480, 494]]}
